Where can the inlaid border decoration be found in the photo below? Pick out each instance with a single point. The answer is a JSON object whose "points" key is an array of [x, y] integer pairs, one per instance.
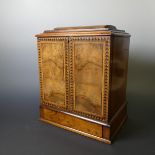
{"points": [[105, 76], [40, 42]]}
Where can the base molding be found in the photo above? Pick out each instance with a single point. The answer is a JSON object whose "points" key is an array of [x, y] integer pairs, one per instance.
{"points": [[104, 133], [77, 131]]}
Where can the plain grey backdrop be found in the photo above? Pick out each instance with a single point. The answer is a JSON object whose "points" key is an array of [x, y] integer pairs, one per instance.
{"points": [[20, 20]]}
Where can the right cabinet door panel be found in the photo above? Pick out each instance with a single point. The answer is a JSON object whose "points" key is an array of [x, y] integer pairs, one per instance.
{"points": [[87, 78]]}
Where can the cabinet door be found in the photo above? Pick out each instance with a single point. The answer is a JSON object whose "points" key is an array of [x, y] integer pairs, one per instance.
{"points": [[89, 71], [53, 64]]}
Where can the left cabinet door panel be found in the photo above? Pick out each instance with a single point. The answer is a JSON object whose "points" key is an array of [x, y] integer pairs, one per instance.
{"points": [[53, 71]]}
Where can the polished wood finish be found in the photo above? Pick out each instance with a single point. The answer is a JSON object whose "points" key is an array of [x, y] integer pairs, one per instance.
{"points": [[88, 76], [118, 78], [71, 121], [53, 72], [83, 74]]}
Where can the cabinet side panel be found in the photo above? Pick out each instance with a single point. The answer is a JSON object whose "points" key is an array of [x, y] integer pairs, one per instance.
{"points": [[119, 66], [52, 68]]}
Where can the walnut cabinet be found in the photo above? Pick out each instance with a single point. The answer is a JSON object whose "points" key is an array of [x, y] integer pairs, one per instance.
{"points": [[83, 77]]}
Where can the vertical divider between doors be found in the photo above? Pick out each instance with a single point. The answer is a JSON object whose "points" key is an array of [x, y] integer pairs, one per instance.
{"points": [[71, 74], [67, 71]]}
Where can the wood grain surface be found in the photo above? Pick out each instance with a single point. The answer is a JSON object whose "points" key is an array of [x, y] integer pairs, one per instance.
{"points": [[72, 122], [88, 76], [53, 72]]}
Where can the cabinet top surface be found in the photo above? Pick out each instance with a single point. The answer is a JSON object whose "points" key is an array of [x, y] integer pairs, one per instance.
{"points": [[83, 30]]}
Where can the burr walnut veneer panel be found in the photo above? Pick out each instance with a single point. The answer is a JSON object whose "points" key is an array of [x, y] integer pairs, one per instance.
{"points": [[53, 72], [88, 66]]}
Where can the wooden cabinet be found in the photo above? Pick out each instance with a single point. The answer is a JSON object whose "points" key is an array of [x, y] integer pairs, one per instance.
{"points": [[83, 74]]}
